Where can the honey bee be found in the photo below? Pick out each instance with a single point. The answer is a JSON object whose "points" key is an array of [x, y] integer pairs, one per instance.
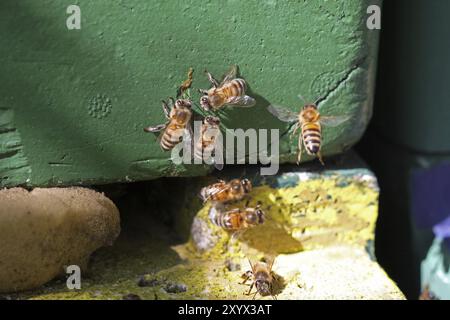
{"points": [[179, 116], [224, 192], [206, 142], [186, 83], [231, 91], [310, 121], [237, 219], [262, 278]]}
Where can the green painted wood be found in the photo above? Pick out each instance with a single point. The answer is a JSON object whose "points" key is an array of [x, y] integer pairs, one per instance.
{"points": [[73, 103]]}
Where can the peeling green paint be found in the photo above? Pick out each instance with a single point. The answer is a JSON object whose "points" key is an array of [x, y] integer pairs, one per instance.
{"points": [[14, 166]]}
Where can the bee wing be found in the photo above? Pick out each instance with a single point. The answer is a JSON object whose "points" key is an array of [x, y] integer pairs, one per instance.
{"points": [[157, 128], [230, 75], [283, 113], [333, 121], [215, 190], [189, 136], [241, 101], [236, 235], [218, 166]]}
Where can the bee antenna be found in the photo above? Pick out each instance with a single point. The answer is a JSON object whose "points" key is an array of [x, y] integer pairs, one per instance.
{"points": [[319, 100], [251, 266], [236, 68], [301, 98]]}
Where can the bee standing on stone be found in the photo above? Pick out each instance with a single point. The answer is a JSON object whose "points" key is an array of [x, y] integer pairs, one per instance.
{"points": [[262, 278], [231, 91], [237, 219], [205, 144], [224, 192], [179, 116], [310, 121]]}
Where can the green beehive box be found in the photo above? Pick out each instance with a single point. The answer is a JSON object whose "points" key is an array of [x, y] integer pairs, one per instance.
{"points": [[73, 102]]}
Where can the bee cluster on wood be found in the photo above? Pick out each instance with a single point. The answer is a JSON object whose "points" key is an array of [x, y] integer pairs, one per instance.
{"points": [[231, 91]]}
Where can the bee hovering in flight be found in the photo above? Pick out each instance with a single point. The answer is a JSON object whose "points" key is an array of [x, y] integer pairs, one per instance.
{"points": [[237, 219], [205, 144], [262, 278], [179, 116], [231, 91], [310, 121], [224, 192]]}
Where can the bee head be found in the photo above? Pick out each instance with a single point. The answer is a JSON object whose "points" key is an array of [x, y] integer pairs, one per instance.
{"points": [[310, 106], [310, 113], [212, 120], [246, 185], [204, 102], [255, 217], [235, 186], [260, 215], [264, 287], [183, 103]]}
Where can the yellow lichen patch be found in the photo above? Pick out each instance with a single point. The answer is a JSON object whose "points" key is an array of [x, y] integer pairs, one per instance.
{"points": [[313, 214]]}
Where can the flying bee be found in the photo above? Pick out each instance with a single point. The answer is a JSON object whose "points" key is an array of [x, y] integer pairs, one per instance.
{"points": [[231, 91], [310, 121], [179, 116], [206, 143], [262, 278], [237, 219], [224, 192]]}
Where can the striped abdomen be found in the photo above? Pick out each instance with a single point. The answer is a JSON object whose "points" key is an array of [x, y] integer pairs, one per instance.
{"points": [[234, 88], [204, 147], [206, 143], [228, 221], [312, 137], [171, 136]]}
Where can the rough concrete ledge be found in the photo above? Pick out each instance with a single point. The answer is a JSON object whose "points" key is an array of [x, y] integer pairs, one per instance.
{"points": [[155, 258]]}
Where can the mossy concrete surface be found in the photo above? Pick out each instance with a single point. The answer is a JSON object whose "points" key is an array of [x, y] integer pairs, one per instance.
{"points": [[322, 251], [305, 211], [73, 102]]}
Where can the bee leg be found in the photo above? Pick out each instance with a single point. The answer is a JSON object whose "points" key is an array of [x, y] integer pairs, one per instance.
{"points": [[250, 290], [157, 128], [319, 156], [254, 296], [166, 109], [246, 277], [211, 79], [172, 101], [300, 149], [296, 127], [202, 91]]}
